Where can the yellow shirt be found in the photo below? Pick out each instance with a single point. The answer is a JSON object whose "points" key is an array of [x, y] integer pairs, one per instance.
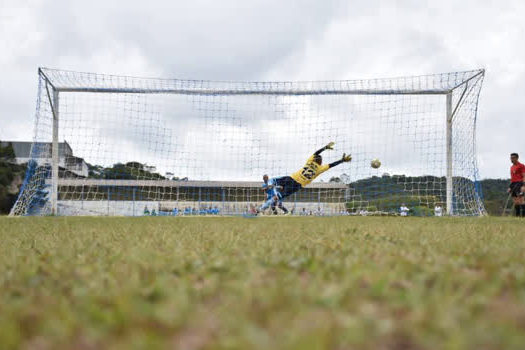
{"points": [[309, 172]]}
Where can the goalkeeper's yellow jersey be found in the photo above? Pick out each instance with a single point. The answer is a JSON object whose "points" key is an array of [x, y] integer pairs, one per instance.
{"points": [[309, 172]]}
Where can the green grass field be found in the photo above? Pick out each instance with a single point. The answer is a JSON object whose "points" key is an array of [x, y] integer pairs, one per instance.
{"points": [[265, 283]]}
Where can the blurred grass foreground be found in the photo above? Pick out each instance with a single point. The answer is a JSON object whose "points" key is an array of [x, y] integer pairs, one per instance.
{"points": [[266, 283]]}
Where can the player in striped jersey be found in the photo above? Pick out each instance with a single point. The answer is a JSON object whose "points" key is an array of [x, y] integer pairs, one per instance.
{"points": [[273, 197]]}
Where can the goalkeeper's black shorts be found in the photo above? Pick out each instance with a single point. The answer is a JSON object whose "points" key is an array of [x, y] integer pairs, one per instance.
{"points": [[515, 189], [289, 186]]}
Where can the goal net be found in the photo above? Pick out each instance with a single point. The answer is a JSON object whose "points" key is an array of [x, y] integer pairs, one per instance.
{"points": [[117, 145]]}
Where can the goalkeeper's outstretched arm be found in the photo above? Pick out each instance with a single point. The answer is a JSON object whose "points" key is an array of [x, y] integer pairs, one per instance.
{"points": [[344, 158], [328, 146]]}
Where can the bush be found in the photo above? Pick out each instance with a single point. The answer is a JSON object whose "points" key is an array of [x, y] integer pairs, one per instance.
{"points": [[422, 211], [8, 173], [7, 153]]}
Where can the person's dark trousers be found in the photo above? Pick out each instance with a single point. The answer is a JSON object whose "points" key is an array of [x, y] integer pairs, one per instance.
{"points": [[283, 208], [518, 210]]}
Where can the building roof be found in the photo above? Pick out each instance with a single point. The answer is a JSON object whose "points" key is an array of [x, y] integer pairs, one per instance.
{"points": [[170, 183]]}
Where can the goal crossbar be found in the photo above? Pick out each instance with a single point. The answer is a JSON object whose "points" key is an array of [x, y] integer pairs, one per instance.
{"points": [[299, 88], [255, 92]]}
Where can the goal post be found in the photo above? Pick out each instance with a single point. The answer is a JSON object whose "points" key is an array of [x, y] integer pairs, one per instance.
{"points": [[118, 145], [54, 153], [450, 184]]}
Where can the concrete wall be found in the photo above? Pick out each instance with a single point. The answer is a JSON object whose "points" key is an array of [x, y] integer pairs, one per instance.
{"points": [[136, 208]]}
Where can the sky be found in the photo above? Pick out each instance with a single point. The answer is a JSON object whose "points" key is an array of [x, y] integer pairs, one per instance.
{"points": [[273, 40]]}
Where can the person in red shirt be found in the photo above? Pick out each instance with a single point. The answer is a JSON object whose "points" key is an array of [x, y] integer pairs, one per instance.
{"points": [[517, 176]]}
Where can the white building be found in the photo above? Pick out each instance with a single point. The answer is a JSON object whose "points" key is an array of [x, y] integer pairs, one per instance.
{"points": [[41, 153]]}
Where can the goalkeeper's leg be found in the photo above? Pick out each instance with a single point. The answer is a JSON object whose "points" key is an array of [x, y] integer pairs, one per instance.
{"points": [[281, 206]]}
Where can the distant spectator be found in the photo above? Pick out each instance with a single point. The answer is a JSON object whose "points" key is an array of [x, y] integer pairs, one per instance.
{"points": [[438, 211], [403, 210], [146, 211]]}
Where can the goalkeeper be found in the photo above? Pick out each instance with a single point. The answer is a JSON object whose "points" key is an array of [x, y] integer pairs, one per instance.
{"points": [[288, 185]]}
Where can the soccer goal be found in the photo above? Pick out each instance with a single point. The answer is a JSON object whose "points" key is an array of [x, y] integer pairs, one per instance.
{"points": [[118, 145]]}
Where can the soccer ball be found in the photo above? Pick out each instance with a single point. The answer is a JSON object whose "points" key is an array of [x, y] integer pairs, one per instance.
{"points": [[375, 163]]}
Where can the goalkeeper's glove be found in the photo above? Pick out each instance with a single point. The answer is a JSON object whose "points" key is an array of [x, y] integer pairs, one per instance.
{"points": [[346, 158], [330, 145]]}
